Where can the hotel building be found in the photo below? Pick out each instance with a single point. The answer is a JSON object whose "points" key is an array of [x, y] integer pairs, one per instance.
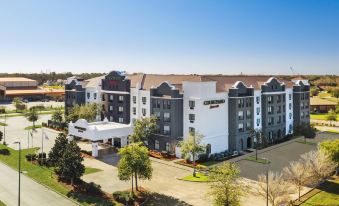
{"points": [[224, 109]]}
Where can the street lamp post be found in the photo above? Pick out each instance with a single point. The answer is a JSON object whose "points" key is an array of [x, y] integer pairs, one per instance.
{"points": [[19, 171]]}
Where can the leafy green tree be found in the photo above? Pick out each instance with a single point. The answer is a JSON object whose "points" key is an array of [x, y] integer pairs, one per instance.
{"points": [[134, 162], [57, 116], [144, 129], [88, 112], [331, 147], [331, 116], [70, 166], [16, 102], [32, 116], [225, 185], [335, 92], [58, 150], [191, 146]]}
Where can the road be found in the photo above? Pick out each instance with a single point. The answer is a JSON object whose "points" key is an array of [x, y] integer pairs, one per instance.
{"points": [[32, 193]]}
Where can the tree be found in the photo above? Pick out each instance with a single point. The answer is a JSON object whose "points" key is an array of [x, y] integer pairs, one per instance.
{"points": [[57, 151], [260, 139], [225, 185], [335, 92], [319, 165], [191, 146], [16, 102], [32, 116], [337, 108], [88, 112], [278, 189], [331, 147], [57, 116], [331, 116], [70, 166], [297, 174], [305, 130], [314, 91], [144, 129], [135, 162]]}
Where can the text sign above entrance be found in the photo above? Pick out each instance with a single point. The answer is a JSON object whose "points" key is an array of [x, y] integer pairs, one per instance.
{"points": [[219, 101]]}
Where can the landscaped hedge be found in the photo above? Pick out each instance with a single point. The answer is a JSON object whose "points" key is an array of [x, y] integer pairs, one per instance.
{"points": [[5, 152]]}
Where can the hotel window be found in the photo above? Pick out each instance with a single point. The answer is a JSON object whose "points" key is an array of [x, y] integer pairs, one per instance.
{"points": [[134, 99], [290, 96], [290, 128], [143, 111], [191, 130], [302, 114], [241, 127], [121, 109], [258, 100], [270, 99], [279, 120], [284, 98], [143, 99], [279, 109], [302, 105], [290, 115], [167, 104], [168, 148], [240, 103], [278, 98], [191, 117], [121, 120], [121, 99], [88, 95], [110, 108], [95, 95], [284, 108], [191, 104], [240, 115], [167, 130], [167, 117], [258, 122], [248, 102], [103, 97], [290, 106], [248, 114], [111, 97], [248, 126], [258, 110], [111, 118], [270, 121], [157, 115], [134, 110], [156, 144], [270, 110]]}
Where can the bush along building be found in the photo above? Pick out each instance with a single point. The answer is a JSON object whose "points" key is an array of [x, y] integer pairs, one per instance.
{"points": [[224, 109]]}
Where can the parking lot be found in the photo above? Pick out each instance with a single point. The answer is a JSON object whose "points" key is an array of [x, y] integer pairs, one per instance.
{"points": [[280, 156]]}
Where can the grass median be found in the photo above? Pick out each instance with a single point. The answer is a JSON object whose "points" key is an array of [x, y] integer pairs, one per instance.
{"points": [[259, 160], [47, 177], [198, 178]]}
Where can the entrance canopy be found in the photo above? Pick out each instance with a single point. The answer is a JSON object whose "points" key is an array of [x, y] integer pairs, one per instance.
{"points": [[96, 131]]}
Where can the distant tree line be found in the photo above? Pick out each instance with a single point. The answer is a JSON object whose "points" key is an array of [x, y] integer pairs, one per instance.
{"points": [[52, 76]]}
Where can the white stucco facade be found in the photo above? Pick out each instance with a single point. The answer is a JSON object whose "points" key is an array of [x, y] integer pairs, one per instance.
{"points": [[211, 117], [289, 111], [257, 117], [140, 108]]}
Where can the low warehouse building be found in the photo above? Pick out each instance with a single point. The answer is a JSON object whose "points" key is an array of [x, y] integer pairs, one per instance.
{"points": [[319, 105]]}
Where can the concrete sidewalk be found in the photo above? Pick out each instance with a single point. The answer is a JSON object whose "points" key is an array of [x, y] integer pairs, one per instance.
{"points": [[32, 193]]}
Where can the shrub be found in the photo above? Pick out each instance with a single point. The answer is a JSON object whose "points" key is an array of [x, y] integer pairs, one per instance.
{"points": [[123, 196], [31, 157], [5, 152], [89, 188], [42, 155]]}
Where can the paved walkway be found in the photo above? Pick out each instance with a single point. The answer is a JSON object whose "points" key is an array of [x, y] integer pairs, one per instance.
{"points": [[32, 193]]}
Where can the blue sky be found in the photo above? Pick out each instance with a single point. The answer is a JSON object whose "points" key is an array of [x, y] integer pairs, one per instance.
{"points": [[170, 36]]}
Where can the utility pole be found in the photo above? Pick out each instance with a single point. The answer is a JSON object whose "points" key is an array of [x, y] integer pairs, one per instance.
{"points": [[19, 189]]}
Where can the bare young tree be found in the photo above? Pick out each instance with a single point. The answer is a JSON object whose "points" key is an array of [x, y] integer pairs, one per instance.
{"points": [[278, 188], [297, 174], [318, 164]]}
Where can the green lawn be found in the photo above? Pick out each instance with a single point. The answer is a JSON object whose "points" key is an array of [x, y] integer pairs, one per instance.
{"points": [[23, 114], [90, 170], [321, 116], [329, 195], [47, 177], [199, 178], [259, 160], [31, 127], [209, 163]]}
